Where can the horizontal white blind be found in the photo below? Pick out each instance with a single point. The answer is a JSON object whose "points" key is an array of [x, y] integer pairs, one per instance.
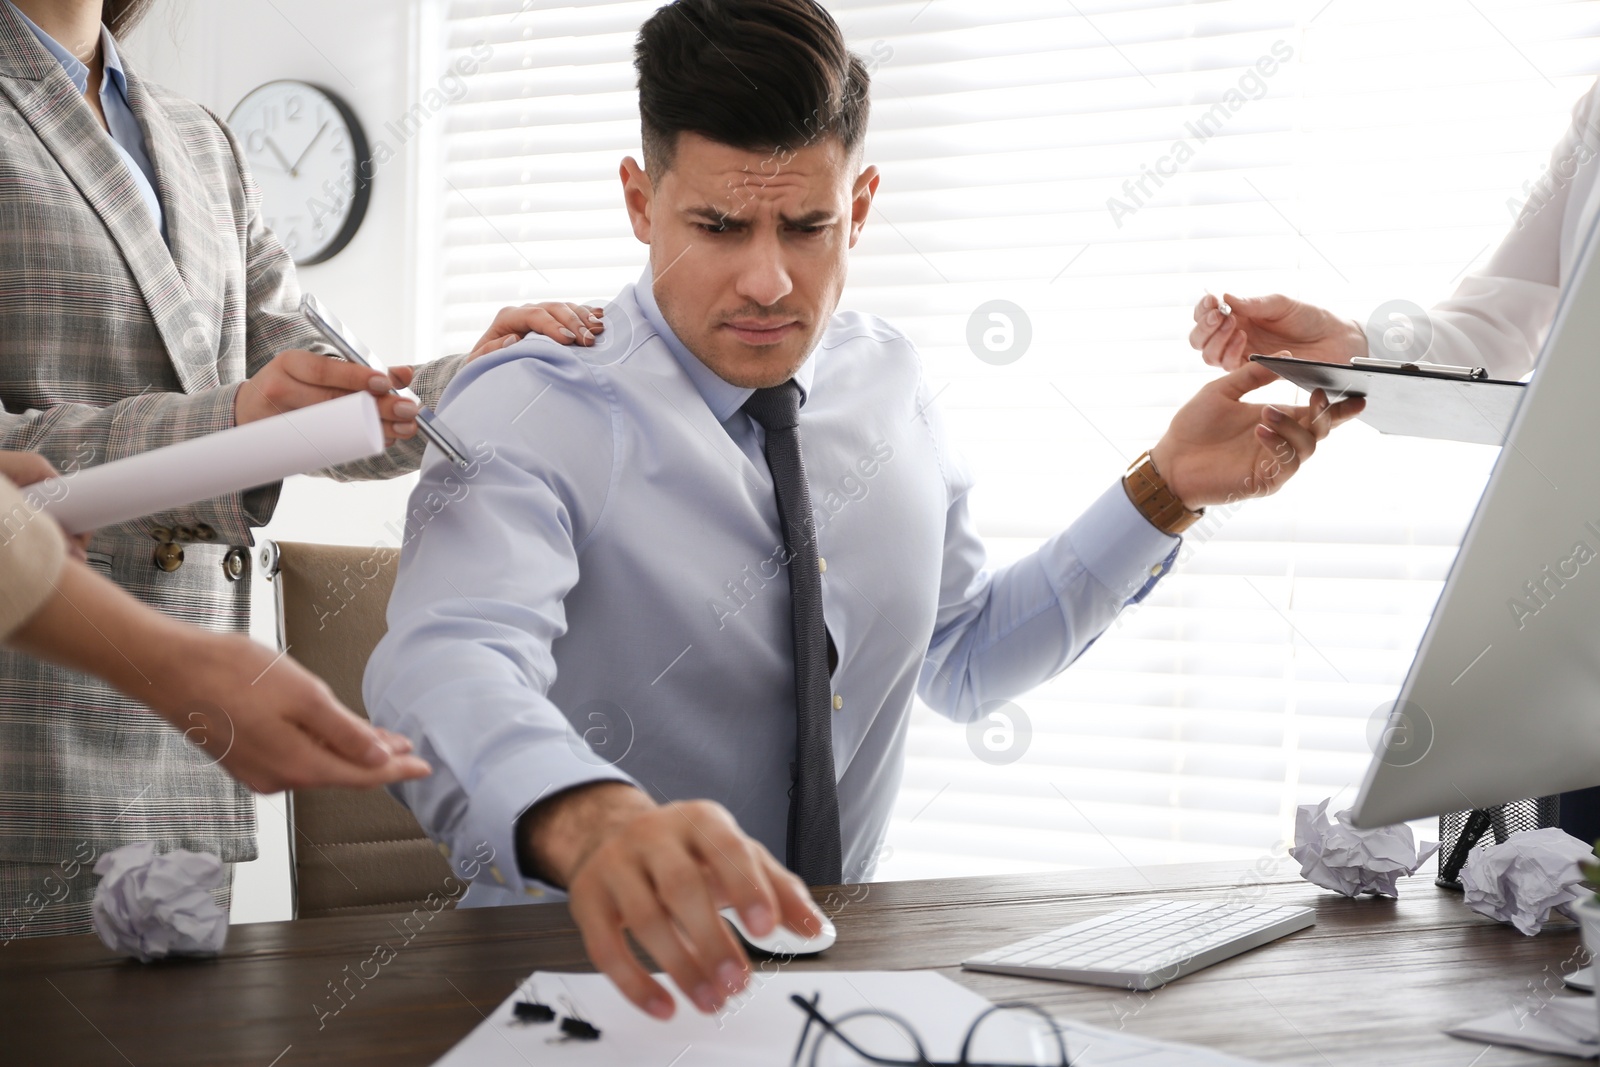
{"points": [[1369, 155]]}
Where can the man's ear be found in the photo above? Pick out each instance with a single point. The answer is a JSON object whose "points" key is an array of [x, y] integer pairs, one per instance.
{"points": [[861, 201], [638, 194]]}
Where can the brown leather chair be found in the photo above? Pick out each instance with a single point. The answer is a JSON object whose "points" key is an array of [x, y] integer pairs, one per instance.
{"points": [[352, 850]]}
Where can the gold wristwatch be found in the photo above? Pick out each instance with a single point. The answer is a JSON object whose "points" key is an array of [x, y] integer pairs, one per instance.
{"points": [[1155, 500]]}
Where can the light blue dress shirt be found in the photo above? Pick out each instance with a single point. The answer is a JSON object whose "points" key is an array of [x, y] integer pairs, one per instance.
{"points": [[126, 135], [603, 595]]}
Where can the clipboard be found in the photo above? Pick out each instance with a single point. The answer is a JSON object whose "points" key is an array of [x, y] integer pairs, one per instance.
{"points": [[1411, 401]]}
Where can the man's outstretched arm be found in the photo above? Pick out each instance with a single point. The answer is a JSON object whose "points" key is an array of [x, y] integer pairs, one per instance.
{"points": [[1002, 633]]}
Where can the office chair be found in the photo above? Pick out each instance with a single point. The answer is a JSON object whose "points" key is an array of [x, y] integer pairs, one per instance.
{"points": [[352, 851]]}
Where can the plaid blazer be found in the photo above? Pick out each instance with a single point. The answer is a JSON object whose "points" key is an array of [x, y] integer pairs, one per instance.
{"points": [[110, 344]]}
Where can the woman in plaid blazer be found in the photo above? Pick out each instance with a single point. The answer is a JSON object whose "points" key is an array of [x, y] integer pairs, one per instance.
{"points": [[114, 339]]}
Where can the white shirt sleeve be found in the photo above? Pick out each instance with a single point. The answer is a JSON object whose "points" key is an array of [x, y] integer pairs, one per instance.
{"points": [[1498, 316]]}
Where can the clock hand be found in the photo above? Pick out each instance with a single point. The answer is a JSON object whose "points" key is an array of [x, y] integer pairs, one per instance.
{"points": [[294, 169], [284, 163]]}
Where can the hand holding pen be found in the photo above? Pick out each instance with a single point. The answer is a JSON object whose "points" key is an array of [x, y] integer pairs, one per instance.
{"points": [[296, 378], [1229, 330]]}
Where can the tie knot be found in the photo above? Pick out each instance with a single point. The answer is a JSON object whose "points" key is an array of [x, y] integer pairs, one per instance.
{"points": [[776, 407]]}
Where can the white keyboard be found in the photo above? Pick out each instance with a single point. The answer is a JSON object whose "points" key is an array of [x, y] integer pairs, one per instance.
{"points": [[1145, 946]]}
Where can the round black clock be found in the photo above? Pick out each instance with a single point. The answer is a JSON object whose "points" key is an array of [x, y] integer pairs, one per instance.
{"points": [[309, 155]]}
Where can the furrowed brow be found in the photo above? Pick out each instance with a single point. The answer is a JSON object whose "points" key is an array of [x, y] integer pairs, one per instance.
{"points": [[810, 219], [707, 213]]}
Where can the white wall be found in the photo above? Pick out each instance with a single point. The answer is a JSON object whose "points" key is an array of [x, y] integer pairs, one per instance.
{"points": [[365, 51]]}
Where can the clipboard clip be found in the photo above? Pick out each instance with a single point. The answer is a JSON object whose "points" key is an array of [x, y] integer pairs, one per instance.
{"points": [[1471, 374]]}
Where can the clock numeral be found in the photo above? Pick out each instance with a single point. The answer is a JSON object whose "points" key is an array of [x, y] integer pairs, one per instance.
{"points": [[305, 154]]}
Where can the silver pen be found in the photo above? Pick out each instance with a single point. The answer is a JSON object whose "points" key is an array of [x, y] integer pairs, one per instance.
{"points": [[1475, 374], [350, 347]]}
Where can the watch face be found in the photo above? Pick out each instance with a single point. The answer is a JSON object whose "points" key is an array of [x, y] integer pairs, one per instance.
{"points": [[308, 155]]}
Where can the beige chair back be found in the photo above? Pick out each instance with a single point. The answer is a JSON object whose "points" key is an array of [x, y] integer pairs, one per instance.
{"points": [[353, 850]]}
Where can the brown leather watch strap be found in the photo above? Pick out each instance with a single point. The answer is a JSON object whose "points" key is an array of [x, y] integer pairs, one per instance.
{"points": [[1155, 500]]}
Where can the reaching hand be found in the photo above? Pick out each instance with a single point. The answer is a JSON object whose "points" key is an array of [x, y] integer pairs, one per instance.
{"points": [[570, 324], [268, 721], [272, 724], [1219, 449], [1265, 324], [661, 872]]}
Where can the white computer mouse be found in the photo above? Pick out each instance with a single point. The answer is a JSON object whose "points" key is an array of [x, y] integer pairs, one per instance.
{"points": [[783, 941]]}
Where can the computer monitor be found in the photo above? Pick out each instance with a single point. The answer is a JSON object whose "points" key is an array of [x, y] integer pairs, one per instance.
{"points": [[1503, 699]]}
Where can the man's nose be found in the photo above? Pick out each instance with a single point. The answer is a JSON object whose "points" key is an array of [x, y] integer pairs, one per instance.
{"points": [[764, 279]]}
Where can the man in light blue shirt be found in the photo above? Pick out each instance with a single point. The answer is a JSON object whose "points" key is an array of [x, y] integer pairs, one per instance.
{"points": [[673, 623], [111, 106]]}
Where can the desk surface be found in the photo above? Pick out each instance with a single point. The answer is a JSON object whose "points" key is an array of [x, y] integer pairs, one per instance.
{"points": [[1372, 983]]}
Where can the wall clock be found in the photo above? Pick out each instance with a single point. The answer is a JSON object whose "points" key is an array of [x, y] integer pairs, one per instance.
{"points": [[309, 155]]}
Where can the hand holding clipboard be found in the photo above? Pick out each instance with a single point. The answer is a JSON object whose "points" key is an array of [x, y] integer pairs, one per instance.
{"points": [[1412, 398]]}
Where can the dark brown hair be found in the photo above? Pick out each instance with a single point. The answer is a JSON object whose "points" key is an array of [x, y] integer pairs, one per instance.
{"points": [[752, 74], [123, 15]]}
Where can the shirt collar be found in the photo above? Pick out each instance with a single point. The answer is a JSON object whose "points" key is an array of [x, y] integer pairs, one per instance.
{"points": [[74, 67], [721, 396]]}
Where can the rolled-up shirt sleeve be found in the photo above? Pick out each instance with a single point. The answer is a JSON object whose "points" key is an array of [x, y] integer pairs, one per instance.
{"points": [[467, 663], [32, 553]]}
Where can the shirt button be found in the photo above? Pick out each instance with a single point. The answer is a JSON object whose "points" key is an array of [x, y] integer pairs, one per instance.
{"points": [[169, 556], [838, 702], [822, 565]]}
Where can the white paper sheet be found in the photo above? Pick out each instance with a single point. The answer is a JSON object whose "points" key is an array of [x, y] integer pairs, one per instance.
{"points": [[762, 1026], [1567, 1026], [230, 461]]}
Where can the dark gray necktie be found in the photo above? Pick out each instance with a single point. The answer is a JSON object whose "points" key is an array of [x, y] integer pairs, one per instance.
{"points": [[814, 851]]}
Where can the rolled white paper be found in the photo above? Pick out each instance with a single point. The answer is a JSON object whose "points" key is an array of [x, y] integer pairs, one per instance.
{"points": [[229, 461]]}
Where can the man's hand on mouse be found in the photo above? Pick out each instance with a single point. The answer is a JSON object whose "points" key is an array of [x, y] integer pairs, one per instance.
{"points": [[661, 872]]}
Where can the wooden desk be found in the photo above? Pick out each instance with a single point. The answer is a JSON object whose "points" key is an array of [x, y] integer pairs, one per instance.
{"points": [[1372, 983]]}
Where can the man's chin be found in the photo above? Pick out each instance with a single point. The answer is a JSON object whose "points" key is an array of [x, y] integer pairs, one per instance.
{"points": [[755, 366]]}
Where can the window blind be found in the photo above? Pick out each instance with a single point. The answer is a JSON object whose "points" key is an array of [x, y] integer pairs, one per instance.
{"points": [[1100, 164]]}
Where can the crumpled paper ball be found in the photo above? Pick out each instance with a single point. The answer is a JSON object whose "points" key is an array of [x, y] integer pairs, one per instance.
{"points": [[1339, 857], [152, 906], [1522, 879]]}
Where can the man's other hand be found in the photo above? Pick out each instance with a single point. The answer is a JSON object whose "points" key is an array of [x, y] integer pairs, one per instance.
{"points": [[1220, 449], [661, 872], [1262, 324]]}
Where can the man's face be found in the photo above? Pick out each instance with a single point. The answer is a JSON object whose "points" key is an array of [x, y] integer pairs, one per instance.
{"points": [[749, 249]]}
